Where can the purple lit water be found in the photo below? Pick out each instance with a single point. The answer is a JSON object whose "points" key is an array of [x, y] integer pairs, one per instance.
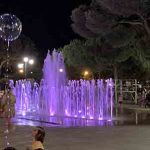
{"points": [[56, 96]]}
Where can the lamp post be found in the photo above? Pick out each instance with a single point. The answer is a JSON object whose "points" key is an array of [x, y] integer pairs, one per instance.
{"points": [[26, 61]]}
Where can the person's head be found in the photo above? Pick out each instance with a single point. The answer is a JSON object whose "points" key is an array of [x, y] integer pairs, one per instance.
{"points": [[39, 134], [10, 148]]}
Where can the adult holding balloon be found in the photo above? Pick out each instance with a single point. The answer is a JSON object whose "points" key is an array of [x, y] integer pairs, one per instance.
{"points": [[10, 30]]}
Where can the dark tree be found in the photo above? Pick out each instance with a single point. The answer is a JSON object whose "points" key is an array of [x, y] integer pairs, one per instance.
{"points": [[122, 27]]}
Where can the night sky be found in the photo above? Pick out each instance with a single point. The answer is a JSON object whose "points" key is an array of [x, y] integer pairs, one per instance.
{"points": [[46, 22]]}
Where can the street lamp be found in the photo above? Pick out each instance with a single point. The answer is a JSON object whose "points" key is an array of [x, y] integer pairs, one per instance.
{"points": [[86, 73], [21, 71], [31, 61], [20, 66], [26, 61]]}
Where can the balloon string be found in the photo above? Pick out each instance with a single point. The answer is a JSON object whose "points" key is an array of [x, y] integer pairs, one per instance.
{"points": [[7, 99], [7, 61], [6, 134]]}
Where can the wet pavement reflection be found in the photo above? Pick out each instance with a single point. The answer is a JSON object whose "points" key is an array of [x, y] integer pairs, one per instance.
{"points": [[121, 116], [126, 116], [132, 123]]}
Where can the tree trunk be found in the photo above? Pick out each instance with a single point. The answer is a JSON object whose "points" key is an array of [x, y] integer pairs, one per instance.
{"points": [[115, 70]]}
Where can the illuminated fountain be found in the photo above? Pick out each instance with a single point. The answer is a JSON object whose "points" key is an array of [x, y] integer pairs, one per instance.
{"points": [[55, 96]]}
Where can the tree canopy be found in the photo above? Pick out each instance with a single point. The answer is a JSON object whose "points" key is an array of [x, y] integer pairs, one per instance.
{"points": [[103, 16], [120, 30]]}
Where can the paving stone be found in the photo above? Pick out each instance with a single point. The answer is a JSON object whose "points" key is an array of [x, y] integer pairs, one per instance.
{"points": [[84, 138]]}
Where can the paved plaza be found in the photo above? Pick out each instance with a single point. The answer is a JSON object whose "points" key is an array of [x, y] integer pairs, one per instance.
{"points": [[129, 136]]}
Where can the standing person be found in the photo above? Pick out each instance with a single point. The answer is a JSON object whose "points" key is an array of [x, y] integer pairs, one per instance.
{"points": [[120, 99], [38, 134], [9, 101]]}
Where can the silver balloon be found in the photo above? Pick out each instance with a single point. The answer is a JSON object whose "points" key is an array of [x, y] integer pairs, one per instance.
{"points": [[10, 27]]}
